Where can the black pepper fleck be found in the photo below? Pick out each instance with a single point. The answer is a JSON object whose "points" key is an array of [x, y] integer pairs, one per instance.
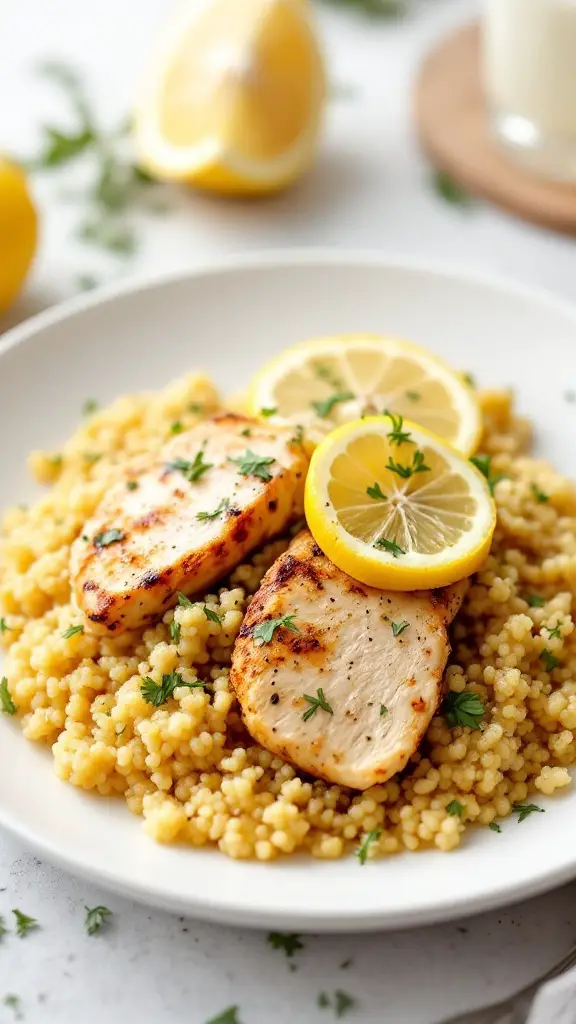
{"points": [[274, 698]]}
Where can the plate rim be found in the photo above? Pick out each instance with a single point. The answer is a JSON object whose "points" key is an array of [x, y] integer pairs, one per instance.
{"points": [[335, 918]]}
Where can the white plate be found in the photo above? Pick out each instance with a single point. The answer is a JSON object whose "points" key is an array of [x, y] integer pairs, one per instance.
{"points": [[226, 320]]}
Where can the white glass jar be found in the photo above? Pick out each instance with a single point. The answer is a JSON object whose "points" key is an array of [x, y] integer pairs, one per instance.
{"points": [[530, 81]]}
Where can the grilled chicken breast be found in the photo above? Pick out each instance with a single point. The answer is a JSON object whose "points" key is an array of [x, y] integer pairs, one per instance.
{"points": [[185, 519], [349, 695]]}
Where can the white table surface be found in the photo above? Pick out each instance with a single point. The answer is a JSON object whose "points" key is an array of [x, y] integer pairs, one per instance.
{"points": [[368, 190]]}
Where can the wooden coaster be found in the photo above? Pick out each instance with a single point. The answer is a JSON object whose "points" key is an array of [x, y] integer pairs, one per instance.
{"points": [[454, 132]]}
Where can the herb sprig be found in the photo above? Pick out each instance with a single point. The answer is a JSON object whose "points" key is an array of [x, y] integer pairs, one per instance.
{"points": [[158, 693], [96, 917], [484, 464], [251, 464], [324, 409], [264, 631], [191, 471], [288, 941], [315, 704], [24, 924], [372, 837], [390, 546], [7, 705], [464, 709]]}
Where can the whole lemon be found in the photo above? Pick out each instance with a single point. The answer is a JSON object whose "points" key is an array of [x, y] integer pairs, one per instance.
{"points": [[18, 231]]}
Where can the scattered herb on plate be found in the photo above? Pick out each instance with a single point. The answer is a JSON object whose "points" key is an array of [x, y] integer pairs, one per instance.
{"points": [[175, 631], [540, 496], [4, 627], [383, 710], [525, 810], [554, 631], [6, 703], [24, 924], [376, 492], [534, 600], [211, 615], [158, 693], [132, 485], [288, 941], [450, 191], [455, 808], [399, 627], [3, 928], [264, 631], [324, 409], [229, 1016], [192, 471], [251, 464], [107, 537], [184, 601], [390, 546], [96, 917], [271, 411], [464, 709], [494, 826], [484, 464], [397, 435], [72, 631], [90, 406], [222, 507], [549, 660], [372, 837], [317, 702]]}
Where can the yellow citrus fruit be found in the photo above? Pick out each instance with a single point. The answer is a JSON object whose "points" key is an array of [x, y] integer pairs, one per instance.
{"points": [[18, 231], [395, 507], [234, 101], [322, 383]]}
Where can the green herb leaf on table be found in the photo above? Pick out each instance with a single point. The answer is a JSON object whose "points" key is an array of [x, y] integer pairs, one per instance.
{"points": [[13, 1003], [96, 917], [3, 928], [455, 808], [288, 941], [266, 413], [324, 409], [399, 627], [494, 826], [4, 627], [376, 492], [159, 693], [211, 615], [323, 1000], [317, 702], [484, 464], [372, 837], [463, 709], [90, 406], [72, 631], [450, 191], [390, 546], [86, 282], [525, 810], [264, 631], [7, 705], [222, 507], [344, 1002], [108, 537], [251, 464], [24, 924]]}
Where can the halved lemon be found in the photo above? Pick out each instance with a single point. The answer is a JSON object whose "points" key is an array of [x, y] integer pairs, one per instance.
{"points": [[395, 507], [322, 383], [235, 99]]}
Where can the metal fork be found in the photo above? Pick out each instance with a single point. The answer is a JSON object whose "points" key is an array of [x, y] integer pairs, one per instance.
{"points": [[516, 1008]]}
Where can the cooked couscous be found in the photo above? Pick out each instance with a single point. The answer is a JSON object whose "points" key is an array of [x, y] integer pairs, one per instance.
{"points": [[189, 767]]}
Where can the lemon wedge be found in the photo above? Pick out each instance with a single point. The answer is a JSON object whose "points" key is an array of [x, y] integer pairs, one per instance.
{"points": [[395, 507], [234, 101], [322, 383], [18, 231]]}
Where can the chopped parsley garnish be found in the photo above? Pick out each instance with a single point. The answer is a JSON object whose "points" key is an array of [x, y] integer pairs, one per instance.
{"points": [[484, 464], [13, 1003], [229, 1016], [132, 485], [24, 924], [325, 373], [224, 504], [175, 631], [372, 837], [211, 615], [344, 1002], [264, 631], [397, 435], [390, 546], [534, 600], [469, 380], [192, 471], [251, 464], [246, 432], [6, 703], [90, 406], [315, 703], [177, 427], [158, 694], [323, 1000], [413, 396], [298, 435], [405, 472], [271, 411], [540, 496], [383, 710], [288, 941], [324, 409], [4, 627], [525, 810], [107, 537], [399, 627], [86, 282], [549, 660], [3, 928], [71, 631], [554, 632], [95, 918], [494, 826], [184, 601], [450, 191], [465, 709], [455, 808], [376, 492]]}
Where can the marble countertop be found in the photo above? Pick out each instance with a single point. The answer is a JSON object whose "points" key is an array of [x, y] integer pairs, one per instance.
{"points": [[369, 189]]}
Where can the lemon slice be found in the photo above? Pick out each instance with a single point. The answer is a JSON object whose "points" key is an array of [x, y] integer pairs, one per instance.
{"points": [[395, 507], [329, 381], [234, 101]]}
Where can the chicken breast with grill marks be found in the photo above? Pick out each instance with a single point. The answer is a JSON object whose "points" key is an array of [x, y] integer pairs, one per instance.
{"points": [[372, 662], [185, 519]]}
